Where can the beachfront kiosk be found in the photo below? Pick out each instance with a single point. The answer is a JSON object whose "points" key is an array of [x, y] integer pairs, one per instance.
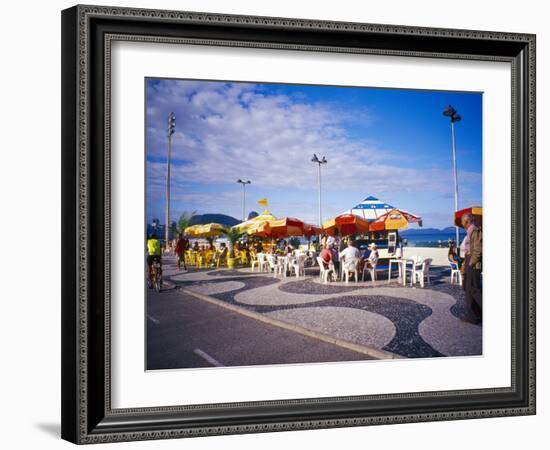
{"points": [[385, 221]]}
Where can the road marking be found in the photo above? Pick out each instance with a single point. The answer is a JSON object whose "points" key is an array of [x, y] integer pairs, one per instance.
{"points": [[207, 357], [369, 351], [152, 319]]}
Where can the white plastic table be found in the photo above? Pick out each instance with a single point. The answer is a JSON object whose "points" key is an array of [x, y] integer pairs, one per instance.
{"points": [[403, 262]]}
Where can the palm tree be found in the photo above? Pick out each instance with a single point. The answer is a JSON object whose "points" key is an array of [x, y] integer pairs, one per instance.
{"points": [[183, 221], [233, 235]]}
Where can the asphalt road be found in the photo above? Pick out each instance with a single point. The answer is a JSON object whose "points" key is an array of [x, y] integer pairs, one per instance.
{"points": [[186, 332]]}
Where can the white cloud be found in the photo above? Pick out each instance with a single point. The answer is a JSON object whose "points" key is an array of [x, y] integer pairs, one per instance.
{"points": [[228, 131]]}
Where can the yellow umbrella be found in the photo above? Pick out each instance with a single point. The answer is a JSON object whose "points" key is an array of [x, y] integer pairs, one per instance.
{"points": [[205, 231], [253, 225], [396, 219]]}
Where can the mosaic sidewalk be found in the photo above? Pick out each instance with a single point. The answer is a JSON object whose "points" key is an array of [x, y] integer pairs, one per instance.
{"points": [[408, 322]]}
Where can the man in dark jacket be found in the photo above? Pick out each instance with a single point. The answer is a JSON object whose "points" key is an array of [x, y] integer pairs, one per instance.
{"points": [[472, 271]]}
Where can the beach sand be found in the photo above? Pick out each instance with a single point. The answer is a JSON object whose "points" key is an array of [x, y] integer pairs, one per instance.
{"points": [[438, 255]]}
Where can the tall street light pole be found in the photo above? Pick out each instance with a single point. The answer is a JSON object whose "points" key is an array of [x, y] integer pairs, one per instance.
{"points": [[454, 117], [244, 183], [171, 131], [319, 163]]}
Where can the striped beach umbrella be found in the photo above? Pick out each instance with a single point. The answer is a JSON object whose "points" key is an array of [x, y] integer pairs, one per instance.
{"points": [[370, 209], [396, 219], [255, 224], [205, 231], [284, 227]]}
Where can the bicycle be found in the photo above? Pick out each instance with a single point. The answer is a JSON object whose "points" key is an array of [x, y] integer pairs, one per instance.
{"points": [[155, 280]]}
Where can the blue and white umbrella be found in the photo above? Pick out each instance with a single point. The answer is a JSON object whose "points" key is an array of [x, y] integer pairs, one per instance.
{"points": [[371, 208]]}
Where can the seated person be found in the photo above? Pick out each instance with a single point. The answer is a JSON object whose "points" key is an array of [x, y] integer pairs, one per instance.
{"points": [[372, 259], [326, 256], [220, 255], [287, 248], [350, 253], [452, 255], [251, 251]]}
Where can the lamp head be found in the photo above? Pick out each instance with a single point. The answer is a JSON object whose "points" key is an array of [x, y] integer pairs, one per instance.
{"points": [[449, 111], [171, 124]]}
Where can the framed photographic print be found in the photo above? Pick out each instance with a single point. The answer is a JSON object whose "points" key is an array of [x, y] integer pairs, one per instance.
{"points": [[279, 224]]}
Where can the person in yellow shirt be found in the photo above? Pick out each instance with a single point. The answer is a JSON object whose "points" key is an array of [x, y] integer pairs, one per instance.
{"points": [[153, 255]]}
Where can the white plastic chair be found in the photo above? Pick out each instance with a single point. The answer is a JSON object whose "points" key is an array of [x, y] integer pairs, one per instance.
{"points": [[259, 261], [271, 263], [398, 252], [455, 274], [298, 265], [349, 267], [369, 268], [409, 267], [324, 272], [421, 271], [282, 266]]}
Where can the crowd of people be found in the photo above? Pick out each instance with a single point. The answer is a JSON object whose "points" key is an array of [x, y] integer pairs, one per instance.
{"points": [[332, 250], [342, 253], [339, 253]]}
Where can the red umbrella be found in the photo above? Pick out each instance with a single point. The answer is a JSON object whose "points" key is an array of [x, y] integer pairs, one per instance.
{"points": [[286, 227], [312, 230], [476, 211], [346, 224]]}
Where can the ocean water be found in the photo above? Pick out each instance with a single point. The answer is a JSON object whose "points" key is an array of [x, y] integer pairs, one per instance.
{"points": [[431, 239]]}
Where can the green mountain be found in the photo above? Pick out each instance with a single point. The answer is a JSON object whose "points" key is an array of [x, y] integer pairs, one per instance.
{"points": [[223, 219]]}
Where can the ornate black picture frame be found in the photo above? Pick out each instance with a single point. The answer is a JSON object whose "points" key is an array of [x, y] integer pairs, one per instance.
{"points": [[87, 34]]}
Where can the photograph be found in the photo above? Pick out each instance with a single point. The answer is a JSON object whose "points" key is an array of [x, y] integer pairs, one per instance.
{"points": [[272, 223], [299, 224]]}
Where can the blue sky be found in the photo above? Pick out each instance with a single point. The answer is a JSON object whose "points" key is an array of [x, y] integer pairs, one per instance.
{"points": [[393, 144]]}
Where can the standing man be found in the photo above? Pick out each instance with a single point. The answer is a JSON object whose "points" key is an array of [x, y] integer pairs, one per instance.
{"points": [[472, 270], [182, 245]]}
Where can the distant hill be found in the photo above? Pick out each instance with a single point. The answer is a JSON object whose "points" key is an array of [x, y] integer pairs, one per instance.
{"points": [[201, 219]]}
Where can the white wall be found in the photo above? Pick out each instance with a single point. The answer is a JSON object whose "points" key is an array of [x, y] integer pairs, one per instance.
{"points": [[30, 192]]}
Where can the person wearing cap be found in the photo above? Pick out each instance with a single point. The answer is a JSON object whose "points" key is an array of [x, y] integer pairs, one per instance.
{"points": [[373, 255], [372, 259]]}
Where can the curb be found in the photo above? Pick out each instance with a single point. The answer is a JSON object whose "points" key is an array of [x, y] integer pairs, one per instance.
{"points": [[365, 350], [167, 286]]}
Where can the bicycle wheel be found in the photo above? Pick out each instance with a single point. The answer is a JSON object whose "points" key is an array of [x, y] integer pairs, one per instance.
{"points": [[158, 280]]}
